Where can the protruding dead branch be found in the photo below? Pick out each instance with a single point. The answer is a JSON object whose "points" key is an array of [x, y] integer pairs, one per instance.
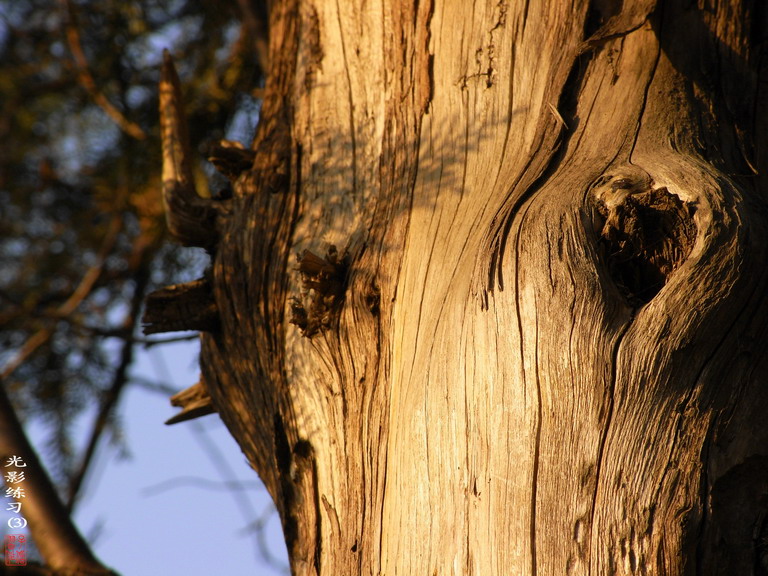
{"points": [[189, 306], [194, 403], [230, 158], [191, 219]]}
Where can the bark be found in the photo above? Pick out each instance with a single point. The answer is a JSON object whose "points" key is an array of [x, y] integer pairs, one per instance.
{"points": [[492, 296]]}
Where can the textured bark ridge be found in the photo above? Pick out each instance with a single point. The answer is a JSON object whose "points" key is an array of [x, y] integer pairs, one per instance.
{"points": [[526, 331]]}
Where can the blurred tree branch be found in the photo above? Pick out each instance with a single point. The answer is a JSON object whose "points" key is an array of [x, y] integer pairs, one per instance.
{"points": [[86, 79], [81, 292], [112, 395]]}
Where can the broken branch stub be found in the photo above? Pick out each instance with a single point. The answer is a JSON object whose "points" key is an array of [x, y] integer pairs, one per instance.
{"points": [[194, 403], [191, 219], [189, 306], [324, 280], [230, 158]]}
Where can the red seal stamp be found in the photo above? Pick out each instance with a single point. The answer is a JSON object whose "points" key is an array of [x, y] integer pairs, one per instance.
{"points": [[15, 550]]}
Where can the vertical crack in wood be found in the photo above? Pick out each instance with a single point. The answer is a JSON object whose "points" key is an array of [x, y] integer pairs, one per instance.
{"points": [[305, 460], [282, 451], [564, 116]]}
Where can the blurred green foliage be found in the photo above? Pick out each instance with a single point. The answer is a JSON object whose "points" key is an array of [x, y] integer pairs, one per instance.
{"points": [[82, 237]]}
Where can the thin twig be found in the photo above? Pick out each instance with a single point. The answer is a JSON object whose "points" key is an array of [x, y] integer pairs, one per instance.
{"points": [[118, 381], [201, 483], [149, 343], [259, 527], [119, 332], [243, 503], [86, 79], [27, 349], [165, 390], [123, 334]]}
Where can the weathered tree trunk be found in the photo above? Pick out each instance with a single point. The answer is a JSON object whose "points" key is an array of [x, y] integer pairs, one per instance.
{"points": [[540, 346]]}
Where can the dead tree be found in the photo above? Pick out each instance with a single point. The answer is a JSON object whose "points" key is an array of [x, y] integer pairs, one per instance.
{"points": [[490, 295]]}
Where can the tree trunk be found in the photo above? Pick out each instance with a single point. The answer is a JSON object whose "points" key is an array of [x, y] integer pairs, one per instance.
{"points": [[492, 297]]}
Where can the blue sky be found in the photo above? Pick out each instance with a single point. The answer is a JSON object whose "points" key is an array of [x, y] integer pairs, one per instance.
{"points": [[165, 510]]}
